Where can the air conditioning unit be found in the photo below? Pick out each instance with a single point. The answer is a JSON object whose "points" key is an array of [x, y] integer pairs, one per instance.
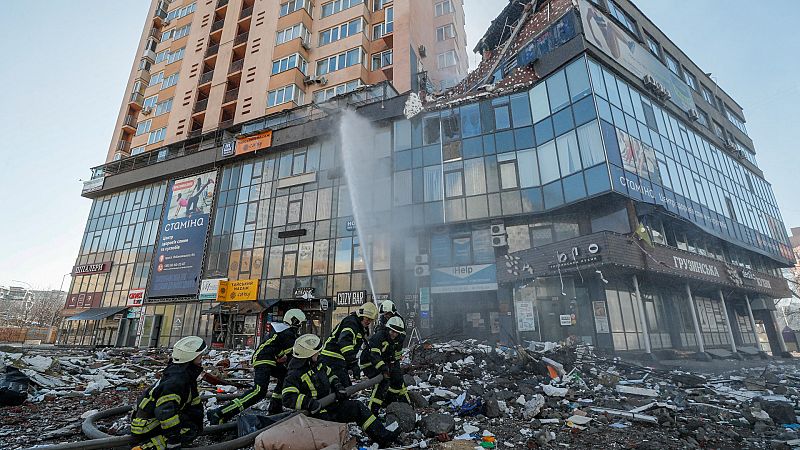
{"points": [[422, 270], [146, 111], [498, 229], [165, 22], [693, 114], [315, 80], [649, 80], [421, 259], [500, 241], [423, 52], [729, 144]]}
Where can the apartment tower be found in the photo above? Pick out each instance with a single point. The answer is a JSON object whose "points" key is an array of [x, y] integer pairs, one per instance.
{"points": [[203, 65]]}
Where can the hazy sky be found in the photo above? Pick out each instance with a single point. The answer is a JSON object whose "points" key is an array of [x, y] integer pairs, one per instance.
{"points": [[63, 87]]}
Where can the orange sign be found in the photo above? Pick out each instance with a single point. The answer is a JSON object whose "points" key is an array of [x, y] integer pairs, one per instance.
{"points": [[237, 291], [254, 143]]}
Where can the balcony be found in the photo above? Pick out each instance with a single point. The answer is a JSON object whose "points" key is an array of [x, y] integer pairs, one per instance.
{"points": [[149, 54], [226, 124], [247, 12], [212, 50], [136, 98], [217, 25], [206, 77], [231, 95], [221, 3], [200, 106], [241, 38], [129, 122], [155, 34], [160, 16], [124, 146], [236, 66]]}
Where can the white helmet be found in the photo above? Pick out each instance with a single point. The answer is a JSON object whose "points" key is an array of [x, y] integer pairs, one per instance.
{"points": [[368, 310], [388, 306], [306, 346], [187, 349], [396, 324], [294, 317]]}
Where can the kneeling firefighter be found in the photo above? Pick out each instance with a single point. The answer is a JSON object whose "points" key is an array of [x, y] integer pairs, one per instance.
{"points": [[342, 346], [169, 415], [269, 360], [309, 380], [381, 357]]}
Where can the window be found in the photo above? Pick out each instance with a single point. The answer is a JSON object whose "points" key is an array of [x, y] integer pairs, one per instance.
{"points": [[162, 56], [143, 127], [447, 59], [289, 62], [708, 96], [341, 31], [673, 65], [381, 60], [735, 120], [703, 119], [177, 55], [443, 8], [342, 60], [718, 130], [297, 31], [691, 80], [294, 5], [387, 27], [508, 174], [166, 35], [323, 95], [378, 31], [164, 107], [150, 102], [170, 81], [157, 135], [156, 78], [331, 8], [446, 32], [181, 12], [652, 44], [137, 150], [622, 17], [453, 184], [290, 93], [181, 32], [380, 4]]}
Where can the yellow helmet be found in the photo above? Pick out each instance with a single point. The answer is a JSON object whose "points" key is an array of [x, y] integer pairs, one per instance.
{"points": [[306, 346], [368, 310]]}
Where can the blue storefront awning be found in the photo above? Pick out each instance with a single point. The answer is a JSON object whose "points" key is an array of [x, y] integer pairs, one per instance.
{"points": [[98, 313]]}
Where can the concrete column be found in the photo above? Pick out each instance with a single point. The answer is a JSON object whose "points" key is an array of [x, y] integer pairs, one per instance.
{"points": [[727, 321], [699, 336], [778, 329], [642, 315], [752, 321]]}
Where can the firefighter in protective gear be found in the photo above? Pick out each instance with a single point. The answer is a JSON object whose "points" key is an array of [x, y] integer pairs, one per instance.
{"points": [[169, 415], [381, 358], [269, 360], [388, 310], [309, 380], [341, 348]]}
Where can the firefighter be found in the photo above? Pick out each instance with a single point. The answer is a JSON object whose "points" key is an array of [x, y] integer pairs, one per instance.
{"points": [[169, 414], [381, 357], [341, 348], [309, 380], [269, 360], [388, 310]]}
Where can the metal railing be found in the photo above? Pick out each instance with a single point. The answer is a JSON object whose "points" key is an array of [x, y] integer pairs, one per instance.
{"points": [[154, 33], [201, 105], [231, 95], [212, 50], [236, 66], [241, 38], [206, 77], [217, 25], [247, 12], [123, 146], [129, 121]]}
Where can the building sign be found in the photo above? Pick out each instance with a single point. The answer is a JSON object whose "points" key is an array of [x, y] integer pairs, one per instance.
{"points": [[303, 292], [526, 315], [548, 40], [474, 278], [185, 222], [135, 297], [209, 288], [351, 298], [95, 184], [237, 290], [600, 317], [91, 269], [228, 148], [603, 33], [751, 278], [253, 143], [576, 256], [691, 265], [84, 300], [565, 320], [350, 225]]}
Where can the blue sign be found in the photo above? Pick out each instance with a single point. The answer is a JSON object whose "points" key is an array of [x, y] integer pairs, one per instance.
{"points": [[548, 40], [474, 278], [350, 225], [228, 148], [178, 258]]}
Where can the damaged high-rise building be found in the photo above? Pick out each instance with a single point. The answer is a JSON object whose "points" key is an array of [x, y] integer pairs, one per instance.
{"points": [[587, 180]]}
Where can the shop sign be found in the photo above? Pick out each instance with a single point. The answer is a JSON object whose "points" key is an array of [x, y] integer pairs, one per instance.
{"points": [[565, 320], [134, 313], [95, 184], [253, 143], [351, 298], [690, 265], [228, 148], [84, 300], [577, 256], [209, 288], [238, 290], [350, 225], [135, 297], [178, 259], [748, 274], [526, 315], [91, 269], [303, 292], [473, 278], [600, 317]]}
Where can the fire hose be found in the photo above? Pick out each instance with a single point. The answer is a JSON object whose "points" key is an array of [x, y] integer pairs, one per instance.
{"points": [[102, 440]]}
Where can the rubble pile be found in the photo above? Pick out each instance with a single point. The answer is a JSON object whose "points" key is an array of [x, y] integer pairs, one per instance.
{"points": [[548, 395]]}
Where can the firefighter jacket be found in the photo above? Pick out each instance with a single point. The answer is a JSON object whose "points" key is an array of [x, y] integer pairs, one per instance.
{"points": [[380, 352], [345, 340], [306, 382], [275, 347], [170, 401], [397, 345]]}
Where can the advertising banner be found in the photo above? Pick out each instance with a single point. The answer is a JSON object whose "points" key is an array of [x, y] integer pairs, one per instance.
{"points": [[209, 288], [253, 143], [135, 297], [479, 277], [616, 43], [526, 315], [238, 290], [179, 256], [95, 184]]}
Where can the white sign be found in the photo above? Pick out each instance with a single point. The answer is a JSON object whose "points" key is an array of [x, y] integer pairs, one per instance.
{"points": [[565, 320], [209, 288], [600, 317], [92, 185], [135, 297], [526, 316]]}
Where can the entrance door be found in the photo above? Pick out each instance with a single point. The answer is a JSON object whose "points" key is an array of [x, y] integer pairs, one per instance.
{"points": [[151, 330]]}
